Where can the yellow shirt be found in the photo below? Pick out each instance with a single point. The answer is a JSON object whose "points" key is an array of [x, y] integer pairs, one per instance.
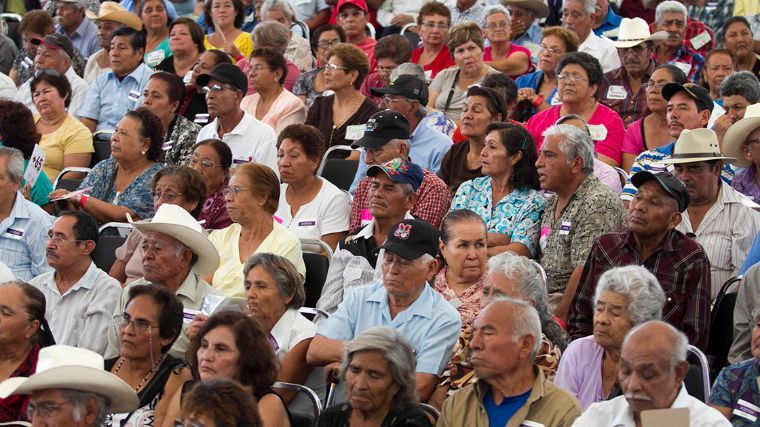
{"points": [[228, 278], [242, 42], [746, 8], [71, 138]]}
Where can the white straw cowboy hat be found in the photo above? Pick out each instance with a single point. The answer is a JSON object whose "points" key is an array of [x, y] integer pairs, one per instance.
{"points": [[697, 145], [72, 368], [112, 11], [538, 7], [176, 222], [737, 135], [633, 32]]}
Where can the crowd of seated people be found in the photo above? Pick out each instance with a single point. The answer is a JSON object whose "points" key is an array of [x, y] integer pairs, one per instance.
{"points": [[450, 213]]}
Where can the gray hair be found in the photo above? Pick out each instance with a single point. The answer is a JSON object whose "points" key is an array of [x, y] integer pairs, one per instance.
{"points": [[574, 142], [639, 287], [14, 163], [409, 68], [396, 350], [741, 83], [679, 344], [78, 399], [271, 33], [525, 321], [493, 10], [568, 117], [283, 272], [669, 6], [284, 6], [523, 272], [589, 6]]}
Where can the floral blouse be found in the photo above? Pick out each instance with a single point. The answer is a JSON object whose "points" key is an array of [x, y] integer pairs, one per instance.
{"points": [[305, 87], [135, 197], [182, 134], [214, 211], [467, 304]]}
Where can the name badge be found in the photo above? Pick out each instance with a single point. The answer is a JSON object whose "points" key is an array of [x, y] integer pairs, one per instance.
{"points": [[155, 57], [617, 92], [683, 67], [241, 160], [700, 40], [565, 227], [167, 145], [555, 99], [544, 237], [27, 62], [133, 97], [201, 118], [307, 223], [746, 410], [188, 315], [354, 132], [15, 233], [598, 132], [429, 76], [366, 217], [528, 423]]}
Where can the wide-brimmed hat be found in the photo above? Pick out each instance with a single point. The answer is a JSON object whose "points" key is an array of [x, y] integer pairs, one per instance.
{"points": [[697, 145], [539, 8], [72, 368], [635, 31], [738, 133], [112, 11], [176, 222]]}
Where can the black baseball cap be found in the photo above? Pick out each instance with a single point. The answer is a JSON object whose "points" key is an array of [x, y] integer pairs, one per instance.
{"points": [[56, 41], [400, 171], [382, 127], [406, 85], [699, 94], [672, 185], [412, 238], [225, 73]]}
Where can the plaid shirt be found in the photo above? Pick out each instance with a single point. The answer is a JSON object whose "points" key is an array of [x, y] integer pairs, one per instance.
{"points": [[680, 265], [433, 201], [13, 407], [693, 29], [634, 106], [684, 59], [713, 15]]}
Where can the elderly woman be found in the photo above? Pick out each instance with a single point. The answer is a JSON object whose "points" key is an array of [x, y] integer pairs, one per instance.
{"points": [[737, 38], [23, 332], [537, 91], [346, 109], [738, 91], [507, 197], [274, 35], [272, 103], [579, 76], [624, 297], [501, 53], [448, 89], [178, 185], [156, 24], [226, 18], [311, 207], [34, 24], [194, 106], [298, 50], [311, 84], [651, 131], [482, 107], [186, 46], [253, 196], [390, 52], [162, 96], [222, 401], [433, 24], [741, 142], [378, 370], [118, 186], [65, 141], [719, 64], [221, 348], [151, 322], [212, 159], [463, 244]]}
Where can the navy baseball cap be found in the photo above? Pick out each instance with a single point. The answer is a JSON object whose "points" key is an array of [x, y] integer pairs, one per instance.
{"points": [[412, 238]]}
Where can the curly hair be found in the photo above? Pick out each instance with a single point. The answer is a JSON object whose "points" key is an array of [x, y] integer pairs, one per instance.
{"points": [[17, 128], [169, 310], [587, 62], [225, 401], [463, 33], [311, 140], [434, 8], [150, 127], [55, 79], [190, 182], [353, 58], [239, 13], [515, 138]]}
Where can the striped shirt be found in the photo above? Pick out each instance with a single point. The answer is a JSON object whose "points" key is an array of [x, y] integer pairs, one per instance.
{"points": [[23, 235]]}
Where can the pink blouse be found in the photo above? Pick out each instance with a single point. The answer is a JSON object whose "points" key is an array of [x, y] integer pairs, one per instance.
{"points": [[286, 110], [467, 304]]}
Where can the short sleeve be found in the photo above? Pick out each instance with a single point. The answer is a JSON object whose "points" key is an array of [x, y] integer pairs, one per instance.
{"points": [[633, 142], [611, 146], [721, 394], [336, 213], [340, 325], [90, 109]]}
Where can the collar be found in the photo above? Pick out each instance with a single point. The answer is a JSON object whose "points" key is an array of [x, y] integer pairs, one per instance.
{"points": [[728, 195], [244, 124], [281, 329], [422, 306], [666, 149], [87, 281], [369, 230], [612, 18], [20, 207], [191, 287], [536, 393], [137, 74], [585, 186], [592, 41], [668, 243]]}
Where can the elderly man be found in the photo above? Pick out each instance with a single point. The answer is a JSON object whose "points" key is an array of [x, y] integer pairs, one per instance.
{"points": [[353, 17], [111, 17], [652, 240], [119, 90], [739, 91], [402, 300], [652, 369], [250, 140], [525, 29], [581, 210], [54, 52], [579, 16], [700, 36], [80, 297], [718, 216], [23, 225], [624, 89], [386, 137], [176, 252], [671, 16], [392, 194], [466, 11], [607, 22], [510, 390], [73, 24], [71, 388]]}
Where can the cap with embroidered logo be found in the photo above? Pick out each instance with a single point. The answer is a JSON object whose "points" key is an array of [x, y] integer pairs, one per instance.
{"points": [[412, 238]]}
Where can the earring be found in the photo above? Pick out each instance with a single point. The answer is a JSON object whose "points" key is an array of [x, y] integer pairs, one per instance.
{"points": [[143, 152]]}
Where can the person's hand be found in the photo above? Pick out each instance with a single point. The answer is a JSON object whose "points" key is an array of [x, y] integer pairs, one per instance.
{"points": [[232, 50], [402, 19], [195, 325], [517, 28], [526, 94], [721, 125], [330, 373], [65, 204]]}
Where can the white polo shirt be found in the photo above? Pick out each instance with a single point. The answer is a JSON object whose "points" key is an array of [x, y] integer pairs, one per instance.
{"points": [[602, 49], [251, 141]]}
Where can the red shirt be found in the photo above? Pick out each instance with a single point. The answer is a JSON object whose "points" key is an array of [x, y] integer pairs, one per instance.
{"points": [[441, 61], [693, 29], [513, 48], [368, 46]]}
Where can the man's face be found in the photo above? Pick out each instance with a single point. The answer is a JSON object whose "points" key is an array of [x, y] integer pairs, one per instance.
{"points": [[222, 98], [652, 211], [401, 105], [499, 285], [683, 114], [105, 31], [576, 19], [702, 180], [635, 59], [8, 188], [124, 59], [717, 68], [387, 199], [404, 278], [161, 262], [51, 409], [675, 24], [554, 171], [386, 153], [68, 16], [50, 59], [353, 20], [735, 106], [521, 15], [494, 352], [63, 249]]}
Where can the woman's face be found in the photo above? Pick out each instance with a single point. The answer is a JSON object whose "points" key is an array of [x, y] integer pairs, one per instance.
{"points": [[293, 163], [154, 15], [197, 419], [241, 205], [655, 101], [47, 100], [751, 147], [218, 355], [336, 76], [575, 87], [260, 75], [180, 39], [385, 67], [469, 57], [126, 142], [717, 68], [204, 65], [611, 320], [497, 29], [495, 159], [465, 252], [223, 13], [739, 39], [327, 40], [264, 300], [134, 342], [26, 40], [434, 29], [476, 117], [156, 99], [552, 50], [169, 190], [15, 327], [369, 385], [206, 161]]}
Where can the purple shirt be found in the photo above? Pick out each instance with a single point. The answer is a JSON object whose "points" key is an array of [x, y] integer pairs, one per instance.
{"points": [[746, 183], [580, 371], [214, 211]]}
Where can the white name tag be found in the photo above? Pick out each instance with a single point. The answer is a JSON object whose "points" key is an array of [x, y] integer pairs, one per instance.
{"points": [[155, 57], [746, 410], [683, 67], [188, 315], [35, 166], [700, 40], [598, 132], [565, 227], [354, 132], [14, 233], [133, 97], [167, 145], [27, 62], [617, 92], [201, 118], [307, 223]]}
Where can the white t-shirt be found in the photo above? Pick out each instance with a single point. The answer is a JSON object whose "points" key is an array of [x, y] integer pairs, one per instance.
{"points": [[328, 213], [251, 141]]}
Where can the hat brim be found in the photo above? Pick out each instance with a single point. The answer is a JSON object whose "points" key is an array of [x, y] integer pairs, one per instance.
{"points": [[658, 36], [705, 158], [640, 178], [391, 90], [401, 250], [538, 7], [371, 142], [208, 256], [121, 16], [735, 137], [121, 397], [203, 80]]}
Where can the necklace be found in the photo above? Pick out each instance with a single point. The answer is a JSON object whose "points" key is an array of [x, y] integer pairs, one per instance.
{"points": [[145, 378]]}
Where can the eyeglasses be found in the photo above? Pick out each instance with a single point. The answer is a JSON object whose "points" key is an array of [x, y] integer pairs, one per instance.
{"points": [[205, 163], [433, 25], [654, 85], [58, 240], [139, 325], [333, 67], [500, 26], [216, 88], [388, 100], [44, 409], [326, 44], [551, 50], [233, 190], [571, 78], [168, 196], [259, 67], [354, 14]]}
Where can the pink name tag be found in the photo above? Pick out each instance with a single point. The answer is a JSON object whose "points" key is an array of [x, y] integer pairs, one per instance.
{"points": [[366, 217], [278, 219]]}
